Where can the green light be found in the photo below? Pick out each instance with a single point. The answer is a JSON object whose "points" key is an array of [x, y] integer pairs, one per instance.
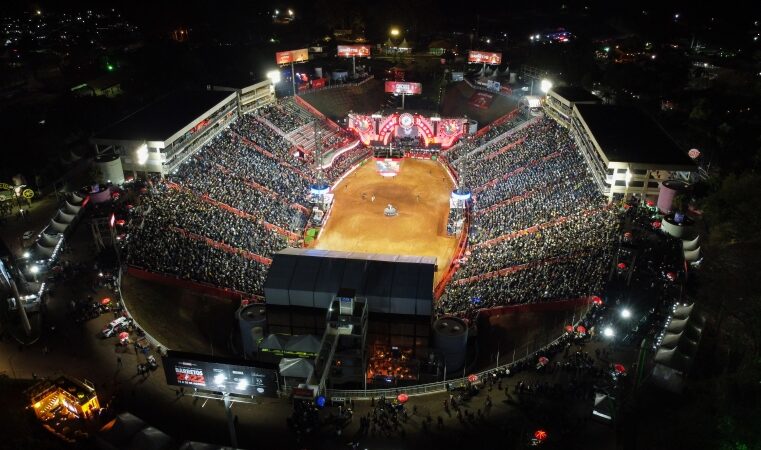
{"points": [[110, 67]]}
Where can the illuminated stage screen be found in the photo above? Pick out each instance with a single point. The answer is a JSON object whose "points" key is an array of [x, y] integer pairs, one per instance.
{"points": [[475, 56], [388, 167], [354, 50], [403, 87], [219, 375], [407, 129]]}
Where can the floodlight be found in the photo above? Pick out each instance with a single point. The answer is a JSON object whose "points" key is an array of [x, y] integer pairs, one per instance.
{"points": [[608, 332], [274, 76], [26, 254], [142, 154], [395, 32], [626, 313], [545, 85], [34, 269]]}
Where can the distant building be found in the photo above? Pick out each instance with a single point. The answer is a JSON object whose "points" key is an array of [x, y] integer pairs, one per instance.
{"points": [[627, 152], [106, 86], [159, 137], [560, 100]]}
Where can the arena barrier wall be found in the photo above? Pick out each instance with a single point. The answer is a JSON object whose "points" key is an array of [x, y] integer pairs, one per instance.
{"points": [[556, 305], [203, 288]]}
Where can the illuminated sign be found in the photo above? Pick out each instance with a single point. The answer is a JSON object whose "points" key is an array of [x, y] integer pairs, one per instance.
{"points": [[292, 56], [476, 56], [354, 50], [219, 375], [402, 87], [27, 193]]}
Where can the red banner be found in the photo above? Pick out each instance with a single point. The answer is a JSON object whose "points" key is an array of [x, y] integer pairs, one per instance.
{"points": [[401, 87], [354, 50], [476, 56], [481, 100], [292, 56], [318, 83]]}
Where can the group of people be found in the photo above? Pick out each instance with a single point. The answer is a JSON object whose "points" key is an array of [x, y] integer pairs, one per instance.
{"points": [[540, 228], [285, 115]]}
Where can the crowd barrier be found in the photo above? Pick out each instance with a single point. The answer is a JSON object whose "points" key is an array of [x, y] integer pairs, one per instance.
{"points": [[443, 386]]}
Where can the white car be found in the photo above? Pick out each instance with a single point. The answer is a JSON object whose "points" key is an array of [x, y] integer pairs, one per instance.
{"points": [[116, 326]]}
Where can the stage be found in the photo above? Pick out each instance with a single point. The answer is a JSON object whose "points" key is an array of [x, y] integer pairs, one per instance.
{"points": [[420, 194]]}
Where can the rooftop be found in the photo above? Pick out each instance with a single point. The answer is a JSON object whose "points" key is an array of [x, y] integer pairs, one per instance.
{"points": [[159, 120], [628, 135], [575, 94]]}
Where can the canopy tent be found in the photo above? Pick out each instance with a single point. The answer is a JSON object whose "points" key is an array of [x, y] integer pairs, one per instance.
{"points": [[683, 312], [121, 429], [151, 438], [72, 209], [192, 445], [45, 252], [668, 378], [296, 368], [692, 255], [49, 240], [673, 358], [691, 245], [274, 343], [681, 340], [58, 226], [64, 218], [76, 198], [604, 407], [306, 343]]}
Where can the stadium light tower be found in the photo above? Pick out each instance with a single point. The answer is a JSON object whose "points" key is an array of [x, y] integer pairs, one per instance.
{"points": [[274, 76], [545, 85]]}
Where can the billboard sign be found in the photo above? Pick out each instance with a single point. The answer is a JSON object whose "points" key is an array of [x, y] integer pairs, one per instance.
{"points": [[219, 375], [402, 87], [354, 50], [476, 56], [292, 56]]}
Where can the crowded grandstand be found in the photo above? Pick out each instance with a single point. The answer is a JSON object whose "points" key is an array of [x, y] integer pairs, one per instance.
{"points": [[539, 229]]}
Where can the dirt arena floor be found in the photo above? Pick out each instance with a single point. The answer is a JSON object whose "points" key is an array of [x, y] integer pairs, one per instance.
{"points": [[420, 193]]}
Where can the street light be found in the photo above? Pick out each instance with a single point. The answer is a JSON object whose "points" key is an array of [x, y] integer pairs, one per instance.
{"points": [[626, 313], [27, 255], [608, 332], [395, 32], [545, 85], [35, 270]]}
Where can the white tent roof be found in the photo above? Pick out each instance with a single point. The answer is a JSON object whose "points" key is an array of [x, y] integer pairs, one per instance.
{"points": [[692, 255], [49, 240], [192, 445], [604, 407], [47, 252], [296, 367], [63, 217], [306, 343], [122, 428], [673, 358], [691, 245], [76, 198], [683, 312], [151, 438], [72, 209], [680, 341], [58, 226], [275, 342]]}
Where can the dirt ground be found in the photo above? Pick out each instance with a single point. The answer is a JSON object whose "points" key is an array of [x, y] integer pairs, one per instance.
{"points": [[420, 193]]}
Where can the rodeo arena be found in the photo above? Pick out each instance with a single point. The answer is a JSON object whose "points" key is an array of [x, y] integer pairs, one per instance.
{"points": [[371, 256]]}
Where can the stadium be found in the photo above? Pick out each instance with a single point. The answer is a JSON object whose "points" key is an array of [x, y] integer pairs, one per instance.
{"points": [[376, 246]]}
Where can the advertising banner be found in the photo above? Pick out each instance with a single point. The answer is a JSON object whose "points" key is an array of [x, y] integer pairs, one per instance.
{"points": [[476, 56], [388, 167], [354, 50], [219, 375], [318, 83], [481, 100], [402, 87], [292, 56]]}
